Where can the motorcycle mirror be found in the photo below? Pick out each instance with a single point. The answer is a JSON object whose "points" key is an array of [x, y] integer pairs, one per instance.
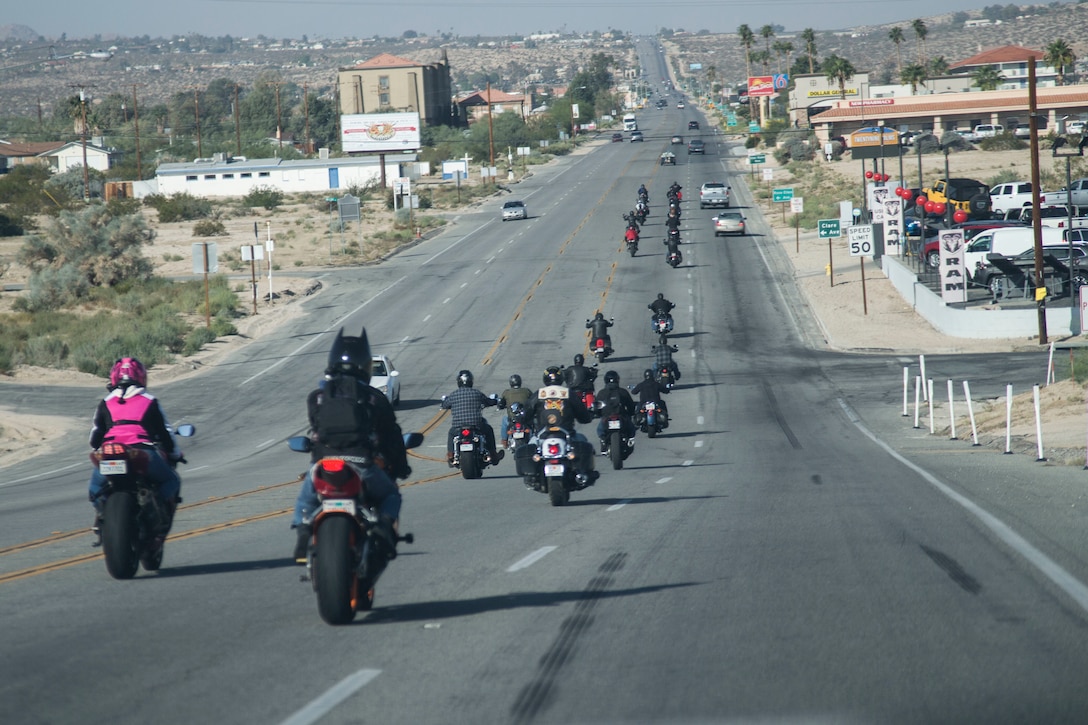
{"points": [[185, 430], [413, 440], [300, 444]]}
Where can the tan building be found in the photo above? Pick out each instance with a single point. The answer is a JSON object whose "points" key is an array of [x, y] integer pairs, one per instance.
{"points": [[475, 105], [387, 83]]}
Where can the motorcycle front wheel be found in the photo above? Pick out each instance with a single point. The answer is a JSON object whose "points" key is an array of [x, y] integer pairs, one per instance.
{"points": [[557, 493], [121, 535], [334, 570], [615, 450]]}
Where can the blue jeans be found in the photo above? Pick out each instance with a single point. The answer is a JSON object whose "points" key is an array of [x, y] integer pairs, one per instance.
{"points": [[379, 487], [161, 473]]}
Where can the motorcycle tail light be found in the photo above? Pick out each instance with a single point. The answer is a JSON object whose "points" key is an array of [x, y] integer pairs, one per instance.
{"points": [[332, 465], [599, 343], [113, 449], [465, 432], [553, 449]]}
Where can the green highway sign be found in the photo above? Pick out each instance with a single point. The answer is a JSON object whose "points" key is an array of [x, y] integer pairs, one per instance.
{"points": [[730, 120], [829, 228], [753, 127], [757, 159], [783, 194]]}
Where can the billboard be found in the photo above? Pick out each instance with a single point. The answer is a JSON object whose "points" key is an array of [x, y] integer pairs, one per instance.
{"points": [[389, 132], [767, 85]]}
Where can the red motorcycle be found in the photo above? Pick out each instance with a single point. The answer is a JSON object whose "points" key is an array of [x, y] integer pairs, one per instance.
{"points": [[345, 557]]}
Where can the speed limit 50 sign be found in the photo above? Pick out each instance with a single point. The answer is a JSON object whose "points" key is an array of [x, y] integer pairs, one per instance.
{"points": [[860, 240]]}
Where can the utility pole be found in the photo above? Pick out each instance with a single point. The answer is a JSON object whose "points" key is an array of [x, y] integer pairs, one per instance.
{"points": [[83, 137], [136, 122], [237, 124], [490, 130], [196, 106], [306, 108], [279, 127]]}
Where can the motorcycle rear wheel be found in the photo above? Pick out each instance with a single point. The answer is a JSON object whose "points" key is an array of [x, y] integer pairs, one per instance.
{"points": [[632, 249], [557, 492], [615, 450], [651, 431], [121, 535], [334, 570], [470, 468]]}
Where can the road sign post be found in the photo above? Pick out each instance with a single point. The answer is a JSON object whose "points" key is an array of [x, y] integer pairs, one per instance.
{"points": [[782, 195], [829, 229], [861, 245]]}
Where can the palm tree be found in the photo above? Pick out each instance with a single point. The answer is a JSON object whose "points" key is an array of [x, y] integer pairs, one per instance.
{"points": [[1061, 56], [915, 74], [767, 31], [987, 77], [938, 66], [921, 31], [896, 36], [839, 70], [747, 37], [763, 58], [809, 36], [782, 49]]}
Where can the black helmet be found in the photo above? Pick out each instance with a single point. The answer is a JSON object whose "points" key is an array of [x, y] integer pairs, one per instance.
{"points": [[552, 376], [599, 316], [647, 374], [612, 379], [350, 356], [660, 295], [579, 359], [464, 379], [515, 381], [664, 339]]}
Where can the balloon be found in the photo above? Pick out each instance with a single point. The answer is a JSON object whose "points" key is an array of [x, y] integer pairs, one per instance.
{"points": [[959, 216], [885, 177], [899, 191], [868, 174], [930, 207], [922, 199], [940, 207], [908, 194]]}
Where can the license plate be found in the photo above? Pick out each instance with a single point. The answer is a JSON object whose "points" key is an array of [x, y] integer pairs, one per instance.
{"points": [[519, 434], [467, 446], [613, 425], [339, 505], [553, 469], [113, 468]]}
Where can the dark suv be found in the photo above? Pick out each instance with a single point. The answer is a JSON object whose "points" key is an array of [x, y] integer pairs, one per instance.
{"points": [[696, 146], [693, 125]]}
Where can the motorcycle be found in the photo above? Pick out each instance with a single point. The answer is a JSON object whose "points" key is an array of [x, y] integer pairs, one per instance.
{"points": [[649, 419], [641, 212], [662, 323], [470, 452], [674, 258], [618, 447], [601, 347], [548, 467], [663, 375], [346, 554], [135, 521], [673, 237], [632, 245], [520, 429]]}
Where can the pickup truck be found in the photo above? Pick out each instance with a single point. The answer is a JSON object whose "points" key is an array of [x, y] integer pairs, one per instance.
{"points": [[1079, 192], [968, 195], [714, 194], [1010, 195]]}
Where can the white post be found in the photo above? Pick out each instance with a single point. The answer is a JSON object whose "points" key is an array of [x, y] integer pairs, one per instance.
{"points": [[1038, 421], [906, 388], [951, 410], [929, 393], [1008, 418], [922, 369], [1050, 366], [917, 399], [970, 412], [269, 246]]}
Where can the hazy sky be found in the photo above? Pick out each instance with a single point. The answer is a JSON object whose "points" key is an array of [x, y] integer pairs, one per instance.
{"points": [[365, 18]]}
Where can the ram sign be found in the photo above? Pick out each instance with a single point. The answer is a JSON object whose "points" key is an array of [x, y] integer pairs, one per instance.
{"points": [[379, 132]]}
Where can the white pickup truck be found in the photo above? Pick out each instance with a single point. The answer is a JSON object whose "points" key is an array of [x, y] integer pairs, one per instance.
{"points": [[1010, 195], [714, 194], [1078, 190]]}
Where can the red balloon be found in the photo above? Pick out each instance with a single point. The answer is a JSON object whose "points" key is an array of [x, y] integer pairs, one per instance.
{"points": [[959, 216], [868, 174], [922, 199], [885, 177], [899, 191], [908, 194], [930, 207], [940, 207]]}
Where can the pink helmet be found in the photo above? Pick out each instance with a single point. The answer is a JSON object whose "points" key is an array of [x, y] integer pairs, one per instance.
{"points": [[128, 371]]}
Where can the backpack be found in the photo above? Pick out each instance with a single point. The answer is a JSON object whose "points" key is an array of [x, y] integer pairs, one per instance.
{"points": [[343, 416]]}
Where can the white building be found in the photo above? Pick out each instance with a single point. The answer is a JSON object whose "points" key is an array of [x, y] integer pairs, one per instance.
{"points": [[70, 156], [237, 176]]}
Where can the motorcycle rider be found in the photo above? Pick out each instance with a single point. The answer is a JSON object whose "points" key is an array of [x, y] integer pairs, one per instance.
{"points": [[466, 403], [132, 416], [649, 390], [661, 306], [631, 235], [350, 419], [552, 409], [673, 244], [514, 394], [614, 400], [578, 377], [672, 222], [642, 191], [598, 328], [663, 356]]}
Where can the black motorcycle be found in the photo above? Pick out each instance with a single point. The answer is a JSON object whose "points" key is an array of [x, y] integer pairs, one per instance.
{"points": [[673, 257], [549, 466], [617, 446]]}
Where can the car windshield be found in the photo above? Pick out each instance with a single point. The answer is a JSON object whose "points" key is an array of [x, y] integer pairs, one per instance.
{"points": [[512, 205], [378, 369], [713, 185]]}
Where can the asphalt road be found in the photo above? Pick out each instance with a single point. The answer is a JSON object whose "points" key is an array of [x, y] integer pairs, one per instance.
{"points": [[790, 549]]}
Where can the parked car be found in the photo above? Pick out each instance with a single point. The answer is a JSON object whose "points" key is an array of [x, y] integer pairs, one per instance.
{"points": [[1010, 195], [713, 194], [693, 125], [729, 222], [384, 377], [677, 140], [696, 146], [988, 130], [989, 275], [1051, 216], [1022, 131], [636, 136], [968, 195], [971, 230], [1075, 127], [1079, 194], [1005, 241], [514, 209], [617, 138]]}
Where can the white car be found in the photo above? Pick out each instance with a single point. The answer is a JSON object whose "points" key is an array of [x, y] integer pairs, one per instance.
{"points": [[1074, 127], [384, 377], [515, 210]]}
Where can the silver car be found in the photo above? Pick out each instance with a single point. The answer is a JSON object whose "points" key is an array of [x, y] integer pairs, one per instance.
{"points": [[729, 222], [514, 210]]}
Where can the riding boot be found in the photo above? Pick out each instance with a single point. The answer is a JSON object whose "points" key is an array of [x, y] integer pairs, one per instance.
{"points": [[302, 545]]}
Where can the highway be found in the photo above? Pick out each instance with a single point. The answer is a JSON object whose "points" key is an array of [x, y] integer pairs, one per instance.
{"points": [[788, 551]]}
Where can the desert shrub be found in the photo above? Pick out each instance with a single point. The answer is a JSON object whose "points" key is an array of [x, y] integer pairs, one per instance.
{"points": [[752, 141], [794, 150], [209, 228], [266, 197], [180, 207], [51, 289], [1002, 142], [954, 142], [48, 351], [120, 206], [197, 338]]}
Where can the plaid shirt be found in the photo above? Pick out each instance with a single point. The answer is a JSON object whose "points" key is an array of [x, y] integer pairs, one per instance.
{"points": [[465, 404], [662, 355]]}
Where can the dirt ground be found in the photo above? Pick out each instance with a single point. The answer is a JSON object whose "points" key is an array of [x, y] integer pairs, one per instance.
{"points": [[888, 325]]}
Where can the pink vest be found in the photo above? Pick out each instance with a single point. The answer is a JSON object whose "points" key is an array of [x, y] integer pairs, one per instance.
{"points": [[128, 415]]}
